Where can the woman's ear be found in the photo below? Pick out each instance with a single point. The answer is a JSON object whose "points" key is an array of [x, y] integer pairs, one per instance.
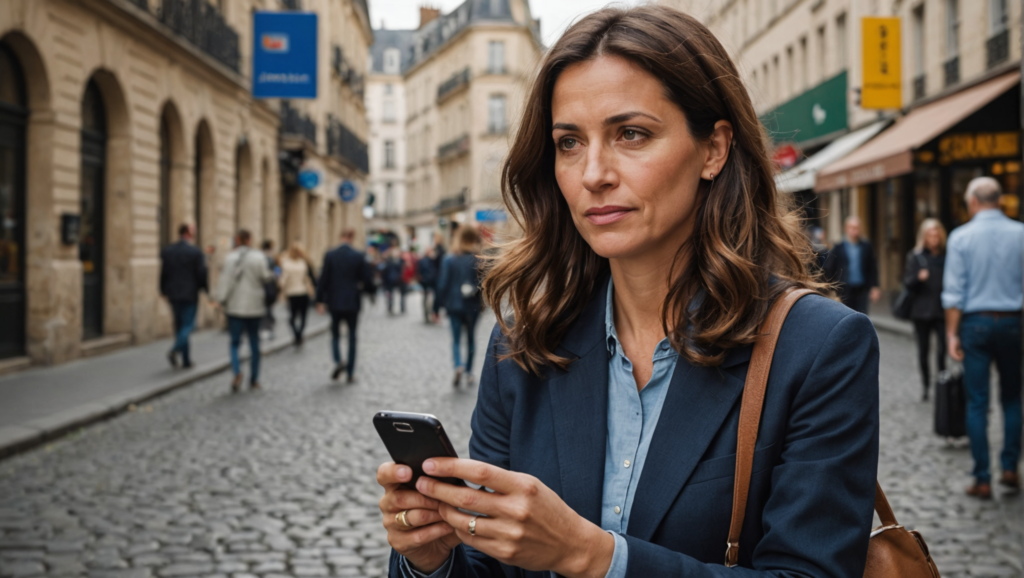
{"points": [[719, 145]]}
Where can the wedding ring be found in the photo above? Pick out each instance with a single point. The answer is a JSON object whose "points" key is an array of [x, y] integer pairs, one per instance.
{"points": [[400, 518], [472, 526]]}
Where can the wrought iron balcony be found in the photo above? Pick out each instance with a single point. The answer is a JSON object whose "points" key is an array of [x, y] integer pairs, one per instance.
{"points": [[203, 25], [457, 81], [919, 87], [952, 70], [451, 204], [997, 48], [295, 123], [292, 4], [453, 148], [344, 144]]}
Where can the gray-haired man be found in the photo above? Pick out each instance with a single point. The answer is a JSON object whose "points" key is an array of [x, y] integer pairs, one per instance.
{"points": [[983, 293]]}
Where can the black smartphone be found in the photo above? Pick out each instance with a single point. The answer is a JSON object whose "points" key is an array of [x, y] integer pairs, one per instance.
{"points": [[412, 438]]}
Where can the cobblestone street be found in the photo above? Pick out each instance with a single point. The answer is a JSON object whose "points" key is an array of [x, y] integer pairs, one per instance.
{"points": [[281, 481]]}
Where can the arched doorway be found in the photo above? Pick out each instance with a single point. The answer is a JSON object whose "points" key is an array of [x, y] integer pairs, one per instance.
{"points": [[91, 243], [246, 207], [13, 117], [205, 181]]}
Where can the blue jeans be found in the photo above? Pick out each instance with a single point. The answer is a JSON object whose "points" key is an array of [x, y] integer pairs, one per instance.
{"points": [[184, 322], [986, 339], [459, 321], [251, 326], [351, 319]]}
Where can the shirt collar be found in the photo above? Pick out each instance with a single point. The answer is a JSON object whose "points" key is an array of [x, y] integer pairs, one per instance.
{"points": [[988, 214]]}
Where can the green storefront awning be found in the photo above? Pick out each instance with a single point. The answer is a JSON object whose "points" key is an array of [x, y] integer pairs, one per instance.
{"points": [[815, 113]]}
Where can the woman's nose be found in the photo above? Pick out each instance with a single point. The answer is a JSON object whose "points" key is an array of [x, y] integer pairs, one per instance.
{"points": [[599, 171]]}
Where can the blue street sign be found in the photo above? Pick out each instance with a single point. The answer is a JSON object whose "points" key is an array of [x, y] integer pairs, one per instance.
{"points": [[309, 179], [347, 191], [284, 55], [491, 215]]}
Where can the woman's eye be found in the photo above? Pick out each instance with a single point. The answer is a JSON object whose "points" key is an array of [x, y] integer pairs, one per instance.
{"points": [[568, 143], [630, 134]]}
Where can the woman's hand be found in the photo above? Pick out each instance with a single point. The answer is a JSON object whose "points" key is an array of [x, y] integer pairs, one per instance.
{"points": [[922, 275], [427, 539], [527, 524]]}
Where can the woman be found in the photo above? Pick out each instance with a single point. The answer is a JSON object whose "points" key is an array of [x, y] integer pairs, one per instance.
{"points": [[298, 284], [606, 423], [458, 292], [923, 278]]}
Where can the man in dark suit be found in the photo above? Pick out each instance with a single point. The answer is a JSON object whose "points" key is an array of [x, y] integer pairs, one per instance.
{"points": [[856, 269], [182, 276], [345, 272]]}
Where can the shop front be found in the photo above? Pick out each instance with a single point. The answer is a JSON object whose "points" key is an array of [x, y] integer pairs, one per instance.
{"points": [[919, 168]]}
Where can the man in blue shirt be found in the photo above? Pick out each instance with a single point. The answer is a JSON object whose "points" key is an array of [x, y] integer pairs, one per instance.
{"points": [[983, 293], [856, 268]]}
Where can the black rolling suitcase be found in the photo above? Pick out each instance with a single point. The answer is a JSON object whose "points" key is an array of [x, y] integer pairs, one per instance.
{"points": [[950, 404]]}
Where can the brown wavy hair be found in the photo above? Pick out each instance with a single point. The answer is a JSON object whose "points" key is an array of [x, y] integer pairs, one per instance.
{"points": [[746, 247]]}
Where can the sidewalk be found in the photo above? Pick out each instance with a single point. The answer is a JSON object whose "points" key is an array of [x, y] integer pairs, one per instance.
{"points": [[42, 403]]}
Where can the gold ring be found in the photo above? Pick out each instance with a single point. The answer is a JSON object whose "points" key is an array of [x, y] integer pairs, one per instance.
{"points": [[400, 518], [472, 526]]}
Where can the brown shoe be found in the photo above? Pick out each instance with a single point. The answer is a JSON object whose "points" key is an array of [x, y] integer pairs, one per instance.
{"points": [[254, 385], [983, 491], [1010, 480], [236, 383]]}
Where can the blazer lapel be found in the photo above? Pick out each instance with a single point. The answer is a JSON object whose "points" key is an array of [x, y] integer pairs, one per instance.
{"points": [[698, 401], [579, 400]]}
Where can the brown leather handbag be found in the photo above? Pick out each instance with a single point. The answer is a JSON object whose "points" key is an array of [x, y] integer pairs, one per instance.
{"points": [[893, 551]]}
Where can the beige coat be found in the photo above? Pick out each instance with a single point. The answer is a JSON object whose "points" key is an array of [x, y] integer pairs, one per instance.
{"points": [[294, 278], [240, 288]]}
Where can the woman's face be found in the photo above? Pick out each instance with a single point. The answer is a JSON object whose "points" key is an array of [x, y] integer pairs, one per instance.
{"points": [[932, 239], [625, 160]]}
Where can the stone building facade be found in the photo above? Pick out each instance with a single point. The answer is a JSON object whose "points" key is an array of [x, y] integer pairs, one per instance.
{"points": [[127, 117], [466, 74]]}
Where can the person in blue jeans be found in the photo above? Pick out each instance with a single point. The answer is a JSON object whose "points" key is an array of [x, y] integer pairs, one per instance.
{"points": [[182, 277], [458, 292], [983, 293]]}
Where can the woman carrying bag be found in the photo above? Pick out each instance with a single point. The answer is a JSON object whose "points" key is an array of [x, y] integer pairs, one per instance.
{"points": [[922, 279], [458, 293]]}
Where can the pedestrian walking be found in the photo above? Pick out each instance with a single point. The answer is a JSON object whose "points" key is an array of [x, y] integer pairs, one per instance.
{"points": [[823, 256], [458, 292], [391, 270], [271, 289], [983, 293], [182, 276], [427, 270], [609, 404], [925, 265], [856, 268], [241, 293], [344, 274], [298, 283]]}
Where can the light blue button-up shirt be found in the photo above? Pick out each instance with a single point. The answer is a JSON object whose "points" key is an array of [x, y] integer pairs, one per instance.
{"points": [[984, 265], [855, 271], [632, 418]]}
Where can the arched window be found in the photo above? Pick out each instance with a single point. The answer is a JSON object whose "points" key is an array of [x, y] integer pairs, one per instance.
{"points": [[13, 118], [163, 210], [91, 236]]}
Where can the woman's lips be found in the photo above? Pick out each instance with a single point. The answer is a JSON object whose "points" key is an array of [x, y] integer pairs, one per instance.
{"points": [[607, 215]]}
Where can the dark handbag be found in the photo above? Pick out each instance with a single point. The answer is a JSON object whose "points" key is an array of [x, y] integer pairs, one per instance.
{"points": [[892, 549], [904, 302], [950, 404]]}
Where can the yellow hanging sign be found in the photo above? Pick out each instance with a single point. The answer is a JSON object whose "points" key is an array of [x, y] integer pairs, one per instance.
{"points": [[883, 72]]}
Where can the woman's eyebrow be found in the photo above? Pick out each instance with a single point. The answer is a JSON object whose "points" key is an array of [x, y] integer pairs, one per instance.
{"points": [[564, 126], [612, 120]]}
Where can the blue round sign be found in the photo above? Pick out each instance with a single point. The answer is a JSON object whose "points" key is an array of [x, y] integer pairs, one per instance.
{"points": [[347, 191], [309, 179]]}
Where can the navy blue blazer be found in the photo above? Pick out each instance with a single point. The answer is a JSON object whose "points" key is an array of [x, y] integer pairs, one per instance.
{"points": [[344, 274], [813, 485], [182, 272], [868, 264]]}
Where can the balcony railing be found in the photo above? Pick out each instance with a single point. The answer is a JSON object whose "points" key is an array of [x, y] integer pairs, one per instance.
{"points": [[997, 48], [344, 144], [457, 81], [203, 25], [297, 124], [919, 87], [952, 70], [291, 4], [346, 72], [453, 148], [451, 204]]}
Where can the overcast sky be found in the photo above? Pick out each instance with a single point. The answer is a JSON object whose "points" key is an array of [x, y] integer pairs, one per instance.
{"points": [[555, 15]]}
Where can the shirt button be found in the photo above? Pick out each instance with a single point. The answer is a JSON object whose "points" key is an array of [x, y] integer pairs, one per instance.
{"points": [[625, 463], [617, 509]]}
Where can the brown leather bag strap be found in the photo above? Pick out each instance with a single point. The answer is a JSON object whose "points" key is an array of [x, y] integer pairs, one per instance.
{"points": [[750, 412], [885, 514]]}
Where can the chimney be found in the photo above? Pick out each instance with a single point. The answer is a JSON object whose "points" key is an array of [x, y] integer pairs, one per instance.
{"points": [[428, 15]]}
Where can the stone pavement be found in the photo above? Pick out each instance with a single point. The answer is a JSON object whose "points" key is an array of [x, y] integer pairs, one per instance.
{"points": [[280, 482], [43, 402]]}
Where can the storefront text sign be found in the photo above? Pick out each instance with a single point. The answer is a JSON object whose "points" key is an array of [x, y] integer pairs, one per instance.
{"points": [[882, 73], [818, 112], [284, 55], [978, 145]]}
